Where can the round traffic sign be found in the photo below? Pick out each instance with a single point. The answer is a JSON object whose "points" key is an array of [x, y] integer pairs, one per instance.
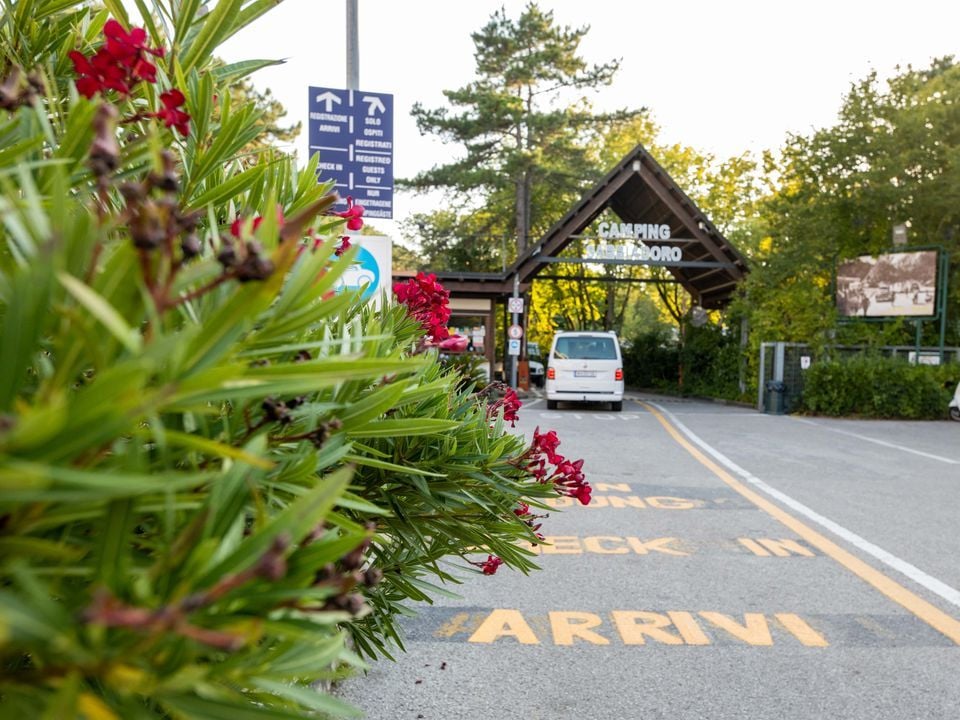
{"points": [[515, 332]]}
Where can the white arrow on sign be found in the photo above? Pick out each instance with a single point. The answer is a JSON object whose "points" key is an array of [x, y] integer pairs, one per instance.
{"points": [[375, 105], [329, 98]]}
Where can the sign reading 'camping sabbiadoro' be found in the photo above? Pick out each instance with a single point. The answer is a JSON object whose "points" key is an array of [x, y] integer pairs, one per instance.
{"points": [[353, 132], [634, 231]]}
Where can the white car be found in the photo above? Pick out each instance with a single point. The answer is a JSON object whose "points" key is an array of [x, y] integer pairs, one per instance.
{"points": [[585, 367], [535, 364]]}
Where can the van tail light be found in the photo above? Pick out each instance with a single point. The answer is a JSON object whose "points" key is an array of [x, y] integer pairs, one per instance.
{"points": [[618, 375], [551, 374]]}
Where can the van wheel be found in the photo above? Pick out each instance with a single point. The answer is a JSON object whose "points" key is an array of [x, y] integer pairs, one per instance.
{"points": [[552, 404], [955, 413], [617, 406]]}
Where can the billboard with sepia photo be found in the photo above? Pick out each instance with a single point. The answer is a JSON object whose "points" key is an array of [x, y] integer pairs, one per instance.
{"points": [[894, 284]]}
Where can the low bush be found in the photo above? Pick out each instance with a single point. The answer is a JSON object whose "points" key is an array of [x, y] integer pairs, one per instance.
{"points": [[878, 387]]}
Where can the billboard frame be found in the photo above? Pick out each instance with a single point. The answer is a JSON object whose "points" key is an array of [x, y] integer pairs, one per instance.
{"points": [[940, 301]]}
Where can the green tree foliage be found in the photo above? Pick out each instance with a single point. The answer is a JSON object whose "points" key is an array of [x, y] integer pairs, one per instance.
{"points": [[213, 467], [271, 113], [525, 127], [891, 158]]}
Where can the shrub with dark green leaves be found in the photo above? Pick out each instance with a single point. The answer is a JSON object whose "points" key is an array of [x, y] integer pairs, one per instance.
{"points": [[650, 360], [213, 467], [709, 357], [879, 387]]}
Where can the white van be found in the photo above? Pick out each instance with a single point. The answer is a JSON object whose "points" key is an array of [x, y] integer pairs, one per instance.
{"points": [[585, 367]]}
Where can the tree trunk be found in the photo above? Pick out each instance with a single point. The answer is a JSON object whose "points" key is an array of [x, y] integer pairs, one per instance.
{"points": [[524, 188], [610, 315]]}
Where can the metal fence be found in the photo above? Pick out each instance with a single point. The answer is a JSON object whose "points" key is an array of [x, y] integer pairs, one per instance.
{"points": [[782, 367]]}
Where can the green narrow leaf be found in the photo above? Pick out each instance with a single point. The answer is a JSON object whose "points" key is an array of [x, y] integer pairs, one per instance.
{"points": [[210, 447], [191, 706], [308, 697], [103, 311], [404, 427], [297, 520], [184, 19], [221, 192], [111, 566], [389, 466], [231, 492], [51, 7], [372, 406], [217, 26], [229, 74], [116, 9], [20, 327], [238, 382]]}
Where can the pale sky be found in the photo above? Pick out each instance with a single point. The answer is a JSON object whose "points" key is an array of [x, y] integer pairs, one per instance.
{"points": [[723, 77]]}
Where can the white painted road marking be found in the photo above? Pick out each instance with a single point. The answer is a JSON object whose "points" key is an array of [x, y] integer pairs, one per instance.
{"points": [[938, 587], [902, 448]]}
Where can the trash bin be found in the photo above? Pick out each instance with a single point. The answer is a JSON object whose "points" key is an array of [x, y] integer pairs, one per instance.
{"points": [[775, 397]]}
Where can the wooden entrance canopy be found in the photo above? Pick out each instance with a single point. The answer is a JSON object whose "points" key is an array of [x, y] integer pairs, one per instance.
{"points": [[638, 190]]}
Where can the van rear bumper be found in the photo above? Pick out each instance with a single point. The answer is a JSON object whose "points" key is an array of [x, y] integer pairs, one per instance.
{"points": [[579, 396]]}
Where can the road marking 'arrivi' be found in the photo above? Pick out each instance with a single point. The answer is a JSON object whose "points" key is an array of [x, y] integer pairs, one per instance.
{"points": [[930, 614]]}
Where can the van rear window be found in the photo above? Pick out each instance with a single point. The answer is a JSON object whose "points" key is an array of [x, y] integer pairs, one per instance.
{"points": [[585, 348]]}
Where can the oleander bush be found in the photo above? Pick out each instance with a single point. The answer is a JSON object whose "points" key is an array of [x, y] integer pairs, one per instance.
{"points": [[215, 470], [879, 387]]}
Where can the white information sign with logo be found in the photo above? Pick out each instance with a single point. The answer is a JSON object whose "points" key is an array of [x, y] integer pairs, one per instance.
{"points": [[513, 347], [372, 267]]}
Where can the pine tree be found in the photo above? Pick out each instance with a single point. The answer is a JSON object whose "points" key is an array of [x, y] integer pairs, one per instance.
{"points": [[525, 125]]}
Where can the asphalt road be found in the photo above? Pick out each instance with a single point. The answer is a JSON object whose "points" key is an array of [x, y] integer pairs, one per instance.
{"points": [[731, 565]]}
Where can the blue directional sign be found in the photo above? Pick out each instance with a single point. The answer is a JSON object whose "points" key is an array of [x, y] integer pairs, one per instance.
{"points": [[353, 132]]}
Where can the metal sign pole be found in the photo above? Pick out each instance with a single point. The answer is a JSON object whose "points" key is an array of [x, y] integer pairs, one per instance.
{"points": [[513, 321], [944, 258], [353, 47]]}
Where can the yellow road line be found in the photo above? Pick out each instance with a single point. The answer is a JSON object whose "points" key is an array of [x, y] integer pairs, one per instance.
{"points": [[933, 616]]}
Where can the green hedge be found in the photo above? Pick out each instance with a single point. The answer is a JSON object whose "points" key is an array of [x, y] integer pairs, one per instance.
{"points": [[709, 358], [879, 387]]}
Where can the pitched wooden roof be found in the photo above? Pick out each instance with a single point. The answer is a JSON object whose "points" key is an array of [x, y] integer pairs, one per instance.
{"points": [[638, 190]]}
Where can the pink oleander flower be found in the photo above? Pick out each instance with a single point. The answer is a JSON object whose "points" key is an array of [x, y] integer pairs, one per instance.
{"points": [[569, 480], [454, 344], [428, 302], [98, 73], [353, 215], [547, 444], [236, 227], [342, 247], [129, 49], [491, 565], [120, 62], [510, 404], [171, 114], [567, 476]]}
